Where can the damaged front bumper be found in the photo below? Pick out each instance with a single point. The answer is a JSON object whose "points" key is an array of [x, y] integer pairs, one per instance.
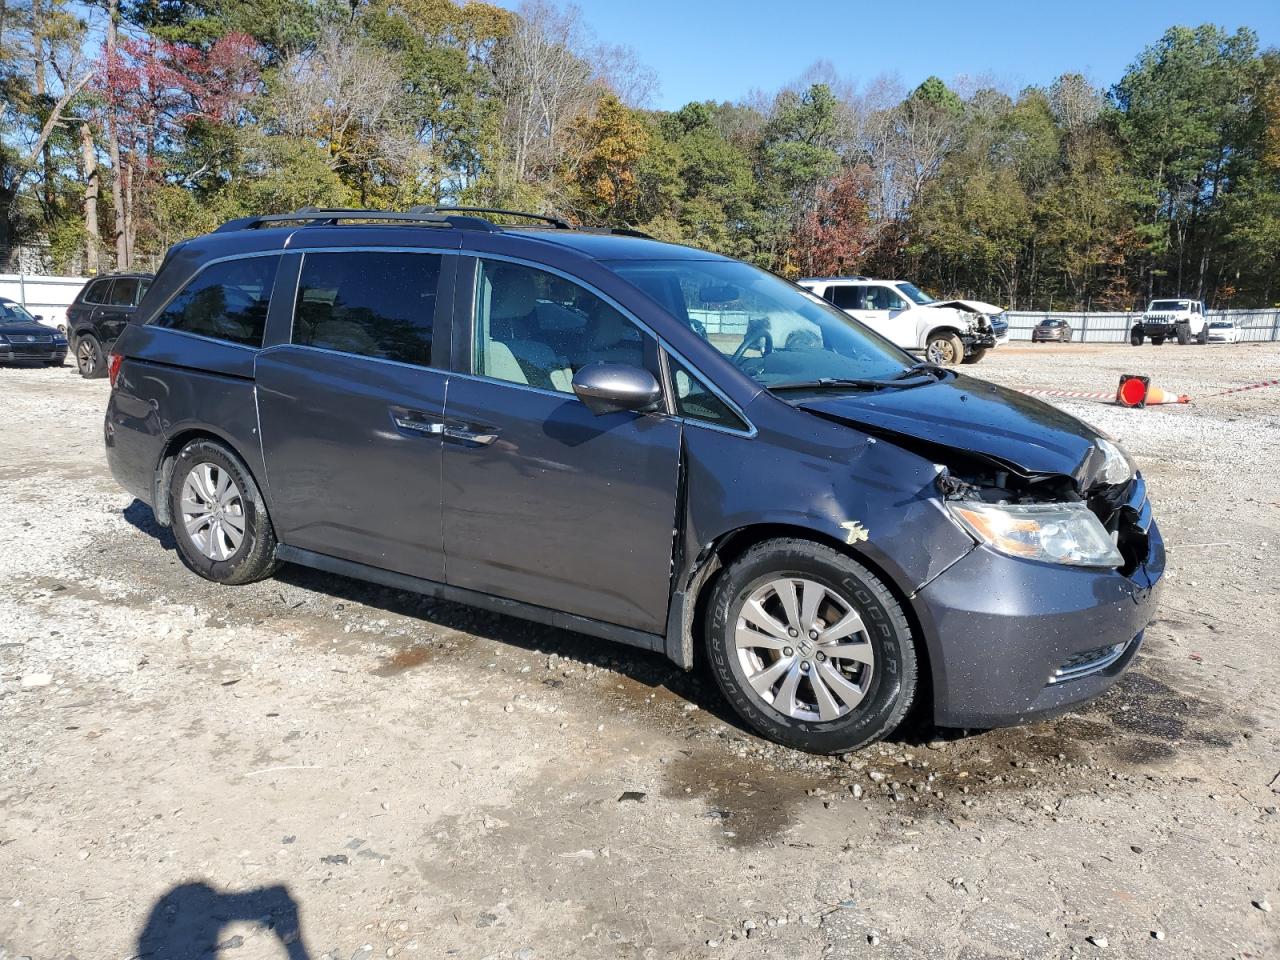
{"points": [[1017, 640]]}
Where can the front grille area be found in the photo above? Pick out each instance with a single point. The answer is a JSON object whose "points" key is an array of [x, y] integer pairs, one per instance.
{"points": [[20, 339], [1090, 661], [1126, 513]]}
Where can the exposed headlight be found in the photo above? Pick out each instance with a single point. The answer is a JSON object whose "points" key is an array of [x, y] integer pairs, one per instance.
{"points": [[1053, 532], [1116, 467]]}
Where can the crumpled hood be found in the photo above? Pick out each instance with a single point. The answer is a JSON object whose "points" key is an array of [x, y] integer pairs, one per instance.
{"points": [[970, 415], [973, 306]]}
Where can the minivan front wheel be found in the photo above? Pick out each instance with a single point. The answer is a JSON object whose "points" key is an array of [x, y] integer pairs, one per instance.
{"points": [[810, 648], [219, 519]]}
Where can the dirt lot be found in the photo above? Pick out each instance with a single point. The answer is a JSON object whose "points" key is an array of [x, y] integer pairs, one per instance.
{"points": [[312, 767]]}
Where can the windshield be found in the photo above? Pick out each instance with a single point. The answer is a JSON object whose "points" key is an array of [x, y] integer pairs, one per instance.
{"points": [[1221, 324], [772, 330], [1169, 305], [11, 312], [914, 293]]}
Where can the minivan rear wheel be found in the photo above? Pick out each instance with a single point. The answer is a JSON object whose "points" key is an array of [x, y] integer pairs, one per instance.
{"points": [[810, 648], [219, 519]]}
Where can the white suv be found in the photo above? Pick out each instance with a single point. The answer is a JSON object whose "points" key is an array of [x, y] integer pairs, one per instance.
{"points": [[1165, 319], [950, 331]]}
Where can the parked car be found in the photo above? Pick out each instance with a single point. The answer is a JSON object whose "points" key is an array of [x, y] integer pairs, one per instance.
{"points": [[1051, 329], [1166, 319], [24, 338], [1223, 331], [529, 420], [99, 313], [949, 332]]}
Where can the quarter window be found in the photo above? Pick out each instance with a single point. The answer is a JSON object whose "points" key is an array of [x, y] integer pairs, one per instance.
{"points": [[695, 400], [225, 301], [534, 327], [369, 303]]}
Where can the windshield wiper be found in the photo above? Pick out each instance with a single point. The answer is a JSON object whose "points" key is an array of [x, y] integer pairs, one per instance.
{"points": [[923, 367], [862, 384]]}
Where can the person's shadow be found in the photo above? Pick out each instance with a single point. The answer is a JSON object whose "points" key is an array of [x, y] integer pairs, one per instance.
{"points": [[188, 921]]}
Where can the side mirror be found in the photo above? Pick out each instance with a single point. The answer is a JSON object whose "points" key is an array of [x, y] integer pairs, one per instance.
{"points": [[614, 387]]}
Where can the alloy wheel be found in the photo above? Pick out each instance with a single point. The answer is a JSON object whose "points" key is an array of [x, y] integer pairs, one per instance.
{"points": [[804, 649], [941, 352], [86, 359], [213, 511]]}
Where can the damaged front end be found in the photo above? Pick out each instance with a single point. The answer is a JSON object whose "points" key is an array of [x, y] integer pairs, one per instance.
{"points": [[1051, 518]]}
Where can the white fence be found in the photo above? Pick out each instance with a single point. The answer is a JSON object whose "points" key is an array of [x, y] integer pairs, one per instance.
{"points": [[46, 297], [1114, 327]]}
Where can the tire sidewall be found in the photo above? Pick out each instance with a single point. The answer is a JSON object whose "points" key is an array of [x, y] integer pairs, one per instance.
{"points": [[878, 712], [233, 568]]}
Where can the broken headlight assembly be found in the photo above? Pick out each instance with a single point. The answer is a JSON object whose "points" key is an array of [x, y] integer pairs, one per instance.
{"points": [[1052, 532]]}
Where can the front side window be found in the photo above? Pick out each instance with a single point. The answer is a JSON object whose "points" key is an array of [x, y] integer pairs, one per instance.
{"points": [[884, 298], [225, 301], [537, 328], [124, 292], [768, 327], [369, 303]]}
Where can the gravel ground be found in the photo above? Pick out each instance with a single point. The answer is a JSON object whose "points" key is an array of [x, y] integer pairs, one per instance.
{"points": [[313, 767]]}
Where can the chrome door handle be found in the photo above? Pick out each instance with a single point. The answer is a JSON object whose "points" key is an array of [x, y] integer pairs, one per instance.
{"points": [[453, 433], [419, 426]]}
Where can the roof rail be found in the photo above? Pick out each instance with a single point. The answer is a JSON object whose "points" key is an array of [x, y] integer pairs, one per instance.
{"points": [[328, 216], [556, 222]]}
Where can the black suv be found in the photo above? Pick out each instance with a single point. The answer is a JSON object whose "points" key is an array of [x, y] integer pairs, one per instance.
{"points": [[100, 312], [640, 441]]}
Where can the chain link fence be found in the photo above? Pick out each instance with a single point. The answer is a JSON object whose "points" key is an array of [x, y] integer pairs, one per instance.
{"points": [[1115, 327]]}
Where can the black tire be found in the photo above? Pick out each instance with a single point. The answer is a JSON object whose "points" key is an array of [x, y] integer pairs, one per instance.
{"points": [[1202, 337], [1157, 341], [973, 356], [1135, 337], [945, 348], [89, 357], [891, 688], [255, 557]]}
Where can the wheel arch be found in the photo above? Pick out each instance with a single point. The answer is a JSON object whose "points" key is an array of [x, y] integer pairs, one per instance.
{"points": [[169, 456], [688, 616]]}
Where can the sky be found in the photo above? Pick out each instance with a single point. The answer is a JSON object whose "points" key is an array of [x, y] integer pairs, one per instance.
{"points": [[722, 49]]}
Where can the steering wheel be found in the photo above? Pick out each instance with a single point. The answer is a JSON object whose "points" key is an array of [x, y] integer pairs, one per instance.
{"points": [[757, 332]]}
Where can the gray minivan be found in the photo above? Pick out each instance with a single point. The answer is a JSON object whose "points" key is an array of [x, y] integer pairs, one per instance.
{"points": [[644, 442]]}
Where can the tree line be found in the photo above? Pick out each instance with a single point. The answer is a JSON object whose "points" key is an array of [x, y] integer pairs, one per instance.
{"points": [[128, 125]]}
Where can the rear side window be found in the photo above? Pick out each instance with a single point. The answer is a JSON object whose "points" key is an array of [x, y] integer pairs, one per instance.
{"points": [[225, 301], [124, 292], [369, 303], [96, 292], [846, 298]]}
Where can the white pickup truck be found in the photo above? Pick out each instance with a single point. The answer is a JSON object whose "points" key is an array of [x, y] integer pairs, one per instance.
{"points": [[1168, 319], [948, 331]]}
